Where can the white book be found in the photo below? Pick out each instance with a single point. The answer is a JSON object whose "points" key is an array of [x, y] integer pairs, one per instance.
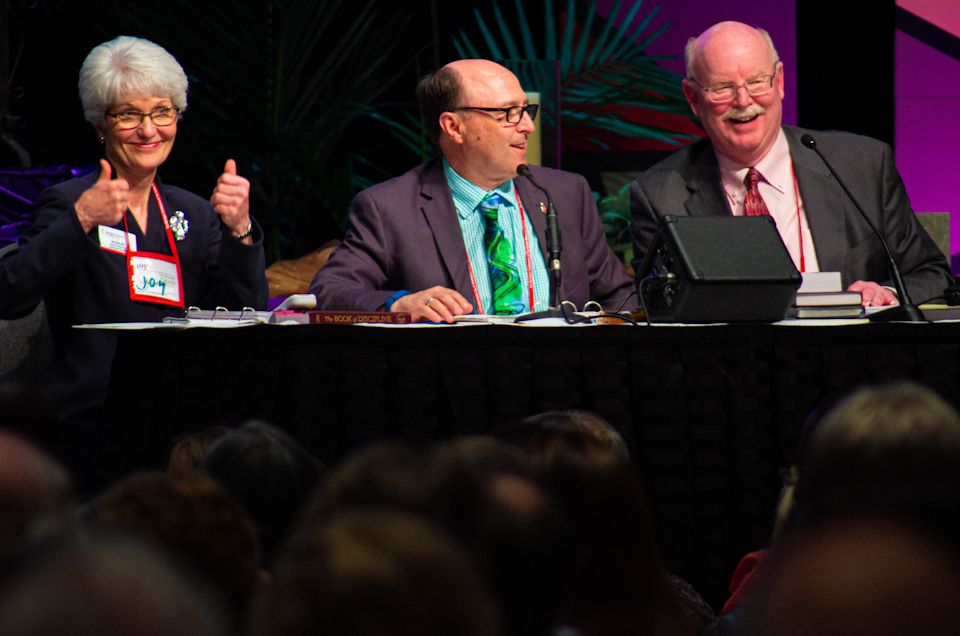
{"points": [[819, 282]]}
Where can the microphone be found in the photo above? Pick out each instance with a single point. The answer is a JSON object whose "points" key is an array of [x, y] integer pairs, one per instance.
{"points": [[906, 311], [554, 243]]}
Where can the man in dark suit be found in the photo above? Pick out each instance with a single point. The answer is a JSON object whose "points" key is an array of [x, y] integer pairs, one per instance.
{"points": [[421, 242], [735, 85]]}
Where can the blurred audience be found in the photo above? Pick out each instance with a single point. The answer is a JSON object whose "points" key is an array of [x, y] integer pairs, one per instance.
{"points": [[859, 576], [617, 583], [271, 473], [491, 502], [479, 491], [541, 530], [108, 589], [194, 520], [542, 425], [390, 474], [375, 573], [36, 502], [890, 450], [190, 450]]}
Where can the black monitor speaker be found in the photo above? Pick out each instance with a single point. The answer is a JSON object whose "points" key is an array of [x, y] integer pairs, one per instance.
{"points": [[717, 269]]}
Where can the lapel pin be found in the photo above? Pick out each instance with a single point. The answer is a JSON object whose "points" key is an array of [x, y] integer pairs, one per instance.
{"points": [[179, 225], [543, 208]]}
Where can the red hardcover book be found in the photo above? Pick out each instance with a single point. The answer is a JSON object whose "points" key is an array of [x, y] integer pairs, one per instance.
{"points": [[343, 317]]}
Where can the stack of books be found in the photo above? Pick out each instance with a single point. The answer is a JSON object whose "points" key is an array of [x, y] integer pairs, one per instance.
{"points": [[821, 295]]}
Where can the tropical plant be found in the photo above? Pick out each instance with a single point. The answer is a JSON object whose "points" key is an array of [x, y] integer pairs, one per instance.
{"points": [[614, 212], [611, 92], [611, 95]]}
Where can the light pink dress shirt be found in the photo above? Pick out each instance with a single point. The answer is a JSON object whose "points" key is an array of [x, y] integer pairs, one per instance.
{"points": [[777, 187]]}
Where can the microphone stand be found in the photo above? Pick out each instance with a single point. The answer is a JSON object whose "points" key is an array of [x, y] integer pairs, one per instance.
{"points": [[554, 247], [906, 311]]}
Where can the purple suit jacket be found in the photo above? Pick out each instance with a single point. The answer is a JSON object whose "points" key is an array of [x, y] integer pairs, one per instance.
{"points": [[404, 234]]}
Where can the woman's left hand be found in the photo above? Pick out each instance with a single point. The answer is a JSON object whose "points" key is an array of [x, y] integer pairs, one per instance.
{"points": [[231, 200]]}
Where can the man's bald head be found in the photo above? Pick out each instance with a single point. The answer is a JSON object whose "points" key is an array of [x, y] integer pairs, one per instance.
{"points": [[477, 73], [721, 36], [466, 105], [455, 85], [721, 63]]}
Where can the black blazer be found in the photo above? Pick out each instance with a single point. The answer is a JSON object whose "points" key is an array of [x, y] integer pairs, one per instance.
{"points": [[82, 283]]}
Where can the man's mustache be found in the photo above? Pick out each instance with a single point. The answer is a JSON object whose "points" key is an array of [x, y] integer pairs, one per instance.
{"points": [[743, 113]]}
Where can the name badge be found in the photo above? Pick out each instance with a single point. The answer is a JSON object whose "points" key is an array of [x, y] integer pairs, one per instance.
{"points": [[113, 240], [154, 279]]}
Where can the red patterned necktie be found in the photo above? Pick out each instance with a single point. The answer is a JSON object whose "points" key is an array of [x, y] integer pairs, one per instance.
{"points": [[753, 204]]}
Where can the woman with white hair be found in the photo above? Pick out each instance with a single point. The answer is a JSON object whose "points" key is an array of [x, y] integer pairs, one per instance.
{"points": [[120, 246]]}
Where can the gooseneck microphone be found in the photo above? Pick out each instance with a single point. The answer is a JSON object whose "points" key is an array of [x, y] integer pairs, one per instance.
{"points": [[906, 311], [554, 243]]}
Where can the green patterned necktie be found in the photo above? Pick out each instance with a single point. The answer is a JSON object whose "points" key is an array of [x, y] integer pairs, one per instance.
{"points": [[501, 263]]}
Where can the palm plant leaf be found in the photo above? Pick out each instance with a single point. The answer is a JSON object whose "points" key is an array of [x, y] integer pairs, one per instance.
{"points": [[512, 50], [601, 66], [549, 28], [603, 40], [653, 36], [566, 46], [464, 46], [488, 37], [580, 55], [529, 50], [619, 44]]}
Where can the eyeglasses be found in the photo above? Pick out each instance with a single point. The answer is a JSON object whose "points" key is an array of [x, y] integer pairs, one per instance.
{"points": [[512, 114], [163, 116], [723, 93]]}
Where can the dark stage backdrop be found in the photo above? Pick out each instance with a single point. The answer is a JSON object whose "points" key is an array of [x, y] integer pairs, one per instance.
{"points": [[840, 68]]}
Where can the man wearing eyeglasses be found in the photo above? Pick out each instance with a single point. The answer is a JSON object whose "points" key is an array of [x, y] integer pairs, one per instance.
{"points": [[752, 164], [462, 234]]}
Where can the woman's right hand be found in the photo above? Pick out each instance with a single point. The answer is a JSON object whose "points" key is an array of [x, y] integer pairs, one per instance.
{"points": [[104, 202]]}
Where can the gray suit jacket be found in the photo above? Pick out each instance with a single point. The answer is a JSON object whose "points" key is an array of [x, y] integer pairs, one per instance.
{"points": [[404, 234], [688, 183]]}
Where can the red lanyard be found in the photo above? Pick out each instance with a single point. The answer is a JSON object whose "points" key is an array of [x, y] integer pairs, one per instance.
{"points": [[529, 260], [174, 258], [796, 194]]}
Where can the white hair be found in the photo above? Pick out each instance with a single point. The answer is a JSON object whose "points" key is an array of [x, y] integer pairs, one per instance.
{"points": [[690, 51], [127, 68]]}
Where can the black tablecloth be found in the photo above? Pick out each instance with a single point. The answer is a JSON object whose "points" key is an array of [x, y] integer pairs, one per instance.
{"points": [[710, 412]]}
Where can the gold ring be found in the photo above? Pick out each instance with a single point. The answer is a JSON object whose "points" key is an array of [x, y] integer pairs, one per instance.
{"points": [[429, 300]]}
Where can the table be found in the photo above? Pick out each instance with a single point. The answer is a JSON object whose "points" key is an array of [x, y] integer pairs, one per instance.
{"points": [[710, 412]]}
